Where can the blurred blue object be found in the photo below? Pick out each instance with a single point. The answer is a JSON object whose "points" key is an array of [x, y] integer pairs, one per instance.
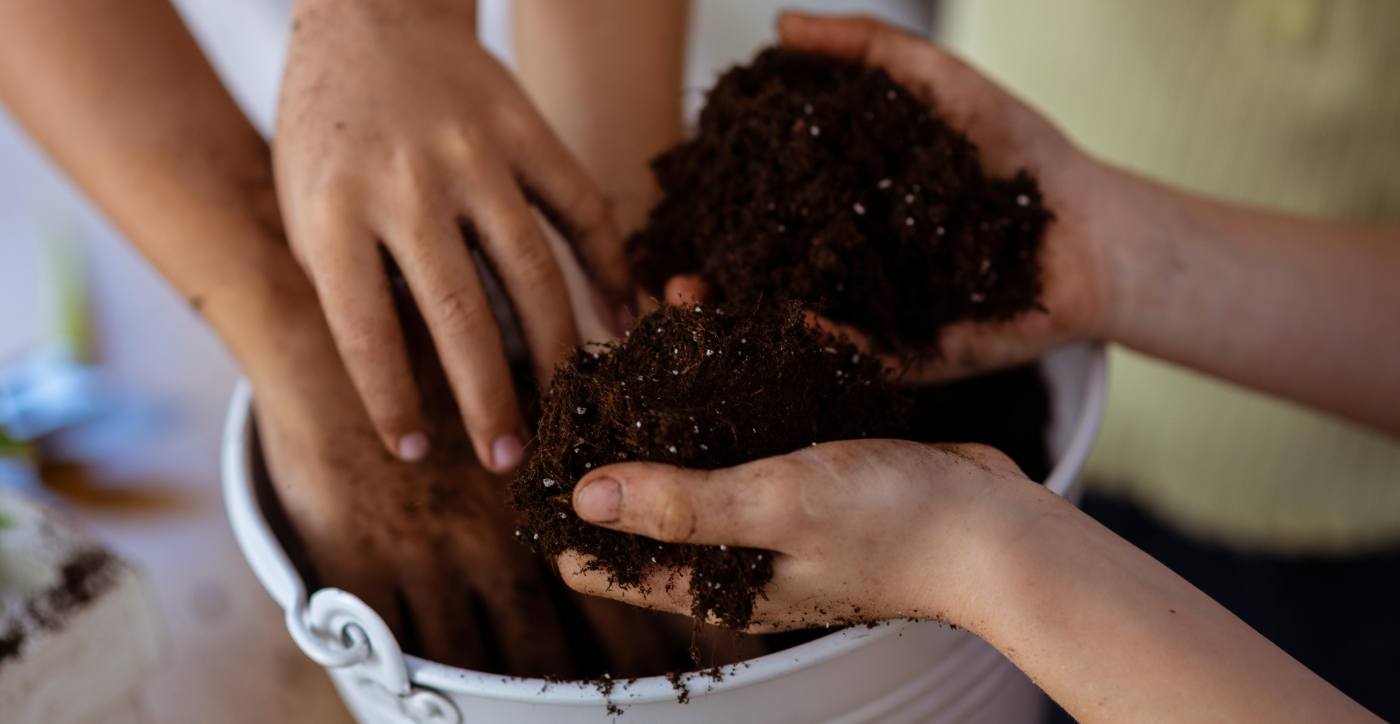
{"points": [[47, 391]]}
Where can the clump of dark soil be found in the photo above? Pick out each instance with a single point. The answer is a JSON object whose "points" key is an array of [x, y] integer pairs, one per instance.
{"points": [[828, 183], [701, 388]]}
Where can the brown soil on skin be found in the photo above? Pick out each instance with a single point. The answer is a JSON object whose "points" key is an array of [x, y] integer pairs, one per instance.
{"points": [[700, 388], [829, 184]]}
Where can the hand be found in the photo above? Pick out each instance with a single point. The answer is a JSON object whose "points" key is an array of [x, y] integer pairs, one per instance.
{"points": [[429, 545], [1079, 251], [860, 530], [395, 126]]}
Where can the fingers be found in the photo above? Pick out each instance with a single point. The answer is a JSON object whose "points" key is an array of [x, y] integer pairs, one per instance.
{"points": [[661, 589], [668, 590], [449, 294], [572, 202], [354, 294], [748, 505], [686, 289], [908, 58], [522, 259]]}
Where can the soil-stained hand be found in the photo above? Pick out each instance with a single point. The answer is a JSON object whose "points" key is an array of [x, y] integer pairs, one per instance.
{"points": [[1078, 257], [860, 530], [396, 131]]}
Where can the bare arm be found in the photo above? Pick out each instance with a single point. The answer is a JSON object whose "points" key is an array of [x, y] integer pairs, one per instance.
{"points": [[607, 74], [876, 529], [1300, 308], [119, 95]]}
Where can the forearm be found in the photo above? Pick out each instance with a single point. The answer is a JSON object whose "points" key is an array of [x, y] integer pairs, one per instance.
{"points": [[1299, 308], [607, 74], [120, 96], [1114, 636]]}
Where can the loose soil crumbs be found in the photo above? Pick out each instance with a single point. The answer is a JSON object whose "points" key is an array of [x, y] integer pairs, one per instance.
{"points": [[700, 388], [828, 183]]}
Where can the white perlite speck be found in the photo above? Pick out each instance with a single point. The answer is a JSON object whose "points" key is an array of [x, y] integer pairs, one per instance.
{"points": [[816, 131], [580, 410], [548, 482], [1023, 200], [858, 208], [884, 184]]}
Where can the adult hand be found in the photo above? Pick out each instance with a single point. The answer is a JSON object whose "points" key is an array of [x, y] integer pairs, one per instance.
{"points": [[860, 530], [1079, 254], [396, 130]]}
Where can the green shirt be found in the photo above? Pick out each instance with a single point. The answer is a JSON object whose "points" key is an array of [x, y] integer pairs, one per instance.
{"points": [[1291, 104]]}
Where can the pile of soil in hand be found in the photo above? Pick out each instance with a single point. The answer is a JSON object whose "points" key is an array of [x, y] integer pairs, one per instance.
{"points": [[701, 388], [828, 183]]}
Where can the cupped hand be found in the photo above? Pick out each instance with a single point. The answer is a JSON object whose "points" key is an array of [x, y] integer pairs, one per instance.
{"points": [[859, 530], [400, 138], [1079, 253]]}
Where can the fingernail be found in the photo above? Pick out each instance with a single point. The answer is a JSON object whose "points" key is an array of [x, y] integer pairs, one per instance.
{"points": [[625, 318], [599, 500], [413, 447], [506, 452]]}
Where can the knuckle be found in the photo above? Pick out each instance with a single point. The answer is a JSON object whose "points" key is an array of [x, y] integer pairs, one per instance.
{"points": [[589, 211], [776, 490], [531, 259], [983, 456], [461, 310], [359, 342], [675, 517]]}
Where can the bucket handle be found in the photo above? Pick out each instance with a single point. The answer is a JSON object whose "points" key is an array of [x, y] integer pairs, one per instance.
{"points": [[337, 630]]}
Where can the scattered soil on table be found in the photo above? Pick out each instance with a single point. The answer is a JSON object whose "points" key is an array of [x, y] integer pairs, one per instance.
{"points": [[828, 183], [701, 388], [87, 574]]}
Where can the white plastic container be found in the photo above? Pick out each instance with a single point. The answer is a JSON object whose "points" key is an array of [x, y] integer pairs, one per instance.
{"points": [[895, 672]]}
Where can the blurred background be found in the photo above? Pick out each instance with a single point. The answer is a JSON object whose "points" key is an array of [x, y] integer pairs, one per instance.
{"points": [[1290, 519]]}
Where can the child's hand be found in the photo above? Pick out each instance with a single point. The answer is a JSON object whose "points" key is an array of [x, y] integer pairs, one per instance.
{"points": [[396, 129], [860, 530], [1077, 258]]}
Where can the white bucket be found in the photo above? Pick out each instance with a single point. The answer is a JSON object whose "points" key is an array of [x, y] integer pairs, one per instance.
{"points": [[895, 672]]}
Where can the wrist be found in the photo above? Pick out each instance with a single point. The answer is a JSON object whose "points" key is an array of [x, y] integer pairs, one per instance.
{"points": [[382, 11], [1007, 533], [1134, 237]]}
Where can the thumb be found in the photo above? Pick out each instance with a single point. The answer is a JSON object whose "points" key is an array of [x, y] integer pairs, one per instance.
{"points": [[735, 506]]}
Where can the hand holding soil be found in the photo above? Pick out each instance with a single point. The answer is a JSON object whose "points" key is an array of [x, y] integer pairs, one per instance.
{"points": [[394, 126], [1077, 257], [857, 530]]}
